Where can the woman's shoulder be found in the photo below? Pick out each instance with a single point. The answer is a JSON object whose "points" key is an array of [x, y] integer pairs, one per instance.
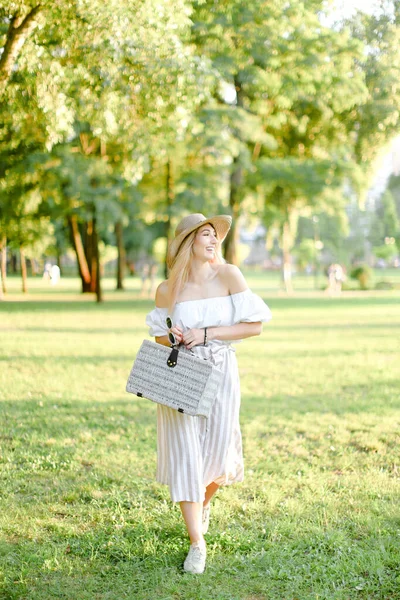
{"points": [[225, 271], [232, 277], [162, 294]]}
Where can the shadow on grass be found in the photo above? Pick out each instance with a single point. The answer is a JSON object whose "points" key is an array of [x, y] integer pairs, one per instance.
{"points": [[64, 418], [349, 399], [56, 417]]}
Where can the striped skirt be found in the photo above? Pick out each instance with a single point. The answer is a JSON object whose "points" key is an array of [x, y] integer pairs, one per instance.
{"points": [[193, 452]]}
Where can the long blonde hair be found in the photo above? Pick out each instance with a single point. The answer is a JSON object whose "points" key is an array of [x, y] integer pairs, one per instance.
{"points": [[179, 273]]}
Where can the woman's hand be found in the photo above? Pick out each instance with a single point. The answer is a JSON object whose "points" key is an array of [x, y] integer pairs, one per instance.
{"points": [[193, 337], [177, 331]]}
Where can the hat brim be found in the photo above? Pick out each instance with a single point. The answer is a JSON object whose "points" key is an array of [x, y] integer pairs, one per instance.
{"points": [[221, 224]]}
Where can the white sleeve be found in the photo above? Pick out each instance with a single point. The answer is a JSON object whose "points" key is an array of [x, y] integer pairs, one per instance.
{"points": [[250, 308], [155, 320]]}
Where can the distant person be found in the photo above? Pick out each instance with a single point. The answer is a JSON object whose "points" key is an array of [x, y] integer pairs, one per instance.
{"points": [[47, 271], [148, 276], [145, 277], [286, 276], [152, 276], [336, 277], [55, 274]]}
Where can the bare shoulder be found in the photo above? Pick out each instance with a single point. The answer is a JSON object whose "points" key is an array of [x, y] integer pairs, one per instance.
{"points": [[162, 295], [233, 278]]}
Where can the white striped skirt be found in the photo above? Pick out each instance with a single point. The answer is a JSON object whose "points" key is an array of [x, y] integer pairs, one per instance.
{"points": [[193, 452]]}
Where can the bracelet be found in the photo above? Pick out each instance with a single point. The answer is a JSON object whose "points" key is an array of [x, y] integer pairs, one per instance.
{"points": [[205, 336]]}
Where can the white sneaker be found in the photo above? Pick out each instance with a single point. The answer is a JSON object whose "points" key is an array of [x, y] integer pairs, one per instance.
{"points": [[195, 561], [205, 519]]}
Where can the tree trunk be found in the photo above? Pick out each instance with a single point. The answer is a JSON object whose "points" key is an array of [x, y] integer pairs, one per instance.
{"points": [[34, 267], [1, 271], [58, 256], [234, 203], [18, 31], [287, 259], [80, 253], [121, 255], [96, 262], [170, 196], [90, 244], [3, 266], [236, 181], [13, 263], [23, 269]]}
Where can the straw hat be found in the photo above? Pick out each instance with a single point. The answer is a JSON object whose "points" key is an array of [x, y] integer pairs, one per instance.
{"points": [[221, 224]]}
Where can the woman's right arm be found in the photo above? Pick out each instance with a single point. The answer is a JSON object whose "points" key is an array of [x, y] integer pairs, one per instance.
{"points": [[161, 302], [163, 340]]}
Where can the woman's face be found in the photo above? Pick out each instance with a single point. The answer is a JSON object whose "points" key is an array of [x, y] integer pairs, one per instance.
{"points": [[205, 243]]}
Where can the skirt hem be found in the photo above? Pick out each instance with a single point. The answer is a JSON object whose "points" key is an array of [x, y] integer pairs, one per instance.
{"points": [[174, 498]]}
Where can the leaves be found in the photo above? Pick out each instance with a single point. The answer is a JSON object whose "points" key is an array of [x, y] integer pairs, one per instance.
{"points": [[105, 95]]}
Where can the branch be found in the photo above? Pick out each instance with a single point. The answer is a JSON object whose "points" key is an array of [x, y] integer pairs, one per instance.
{"points": [[18, 32]]}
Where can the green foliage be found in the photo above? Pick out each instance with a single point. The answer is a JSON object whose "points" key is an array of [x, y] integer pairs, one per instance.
{"points": [[309, 108], [302, 181], [394, 188], [363, 274], [332, 230], [377, 119], [386, 251], [386, 223], [134, 94], [390, 218], [305, 253]]}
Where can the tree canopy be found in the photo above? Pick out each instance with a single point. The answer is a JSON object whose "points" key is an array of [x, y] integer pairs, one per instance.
{"points": [[123, 115]]}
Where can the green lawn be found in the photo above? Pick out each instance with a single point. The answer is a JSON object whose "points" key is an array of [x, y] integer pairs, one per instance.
{"points": [[317, 517]]}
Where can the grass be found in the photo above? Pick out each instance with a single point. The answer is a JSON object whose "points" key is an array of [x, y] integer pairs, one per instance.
{"points": [[81, 516]]}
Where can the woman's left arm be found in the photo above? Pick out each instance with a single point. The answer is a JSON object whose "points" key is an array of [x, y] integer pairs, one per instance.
{"points": [[195, 337], [234, 332]]}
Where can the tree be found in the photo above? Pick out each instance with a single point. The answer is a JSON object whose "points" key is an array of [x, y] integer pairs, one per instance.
{"points": [[20, 22], [394, 188], [132, 93], [290, 74], [385, 227], [232, 35], [390, 219], [374, 122]]}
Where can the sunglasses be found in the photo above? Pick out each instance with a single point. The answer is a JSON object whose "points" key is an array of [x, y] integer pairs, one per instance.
{"points": [[171, 336]]}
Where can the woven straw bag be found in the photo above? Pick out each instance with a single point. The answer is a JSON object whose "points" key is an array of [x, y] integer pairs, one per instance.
{"points": [[176, 379]]}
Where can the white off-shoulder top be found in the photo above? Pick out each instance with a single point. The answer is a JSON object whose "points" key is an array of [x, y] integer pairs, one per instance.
{"points": [[243, 307]]}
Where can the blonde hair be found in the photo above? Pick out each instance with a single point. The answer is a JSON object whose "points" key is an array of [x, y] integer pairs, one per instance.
{"points": [[179, 273]]}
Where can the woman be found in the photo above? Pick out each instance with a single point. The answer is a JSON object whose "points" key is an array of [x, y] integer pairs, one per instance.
{"points": [[210, 306]]}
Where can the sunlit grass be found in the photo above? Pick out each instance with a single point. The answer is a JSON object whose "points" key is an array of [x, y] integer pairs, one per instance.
{"points": [[317, 516]]}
